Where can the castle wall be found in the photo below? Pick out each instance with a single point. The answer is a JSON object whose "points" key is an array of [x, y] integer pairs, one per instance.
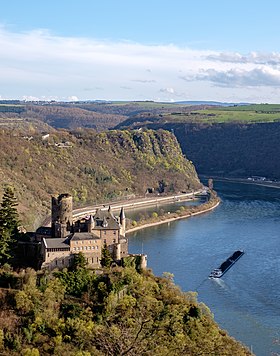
{"points": [[110, 237], [85, 246]]}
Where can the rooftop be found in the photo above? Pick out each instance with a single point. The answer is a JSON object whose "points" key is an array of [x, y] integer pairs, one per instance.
{"points": [[83, 236], [56, 243]]}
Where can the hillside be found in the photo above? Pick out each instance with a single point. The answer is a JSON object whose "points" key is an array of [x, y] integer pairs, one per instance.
{"points": [[97, 115], [234, 141], [119, 312], [93, 167]]}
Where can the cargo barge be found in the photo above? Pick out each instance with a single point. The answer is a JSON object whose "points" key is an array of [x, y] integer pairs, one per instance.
{"points": [[226, 265]]}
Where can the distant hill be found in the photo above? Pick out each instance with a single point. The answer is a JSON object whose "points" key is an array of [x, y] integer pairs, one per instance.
{"points": [[92, 167], [97, 115], [206, 102]]}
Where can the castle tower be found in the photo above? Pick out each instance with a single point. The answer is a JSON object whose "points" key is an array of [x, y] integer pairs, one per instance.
{"points": [[62, 215], [117, 251], [91, 224], [122, 221]]}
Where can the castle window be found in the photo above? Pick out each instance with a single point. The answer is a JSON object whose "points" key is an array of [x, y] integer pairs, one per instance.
{"points": [[77, 242], [74, 249], [115, 232], [114, 240]]}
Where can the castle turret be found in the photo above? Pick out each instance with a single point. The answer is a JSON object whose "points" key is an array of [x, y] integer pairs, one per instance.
{"points": [[122, 221], [62, 215], [117, 251], [91, 224]]}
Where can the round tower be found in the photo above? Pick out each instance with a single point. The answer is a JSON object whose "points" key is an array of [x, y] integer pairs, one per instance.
{"points": [[62, 215], [122, 221]]}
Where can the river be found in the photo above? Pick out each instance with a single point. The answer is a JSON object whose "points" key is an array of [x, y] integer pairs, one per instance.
{"points": [[246, 300]]}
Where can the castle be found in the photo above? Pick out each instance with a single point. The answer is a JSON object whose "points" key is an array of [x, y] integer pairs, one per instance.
{"points": [[89, 235]]}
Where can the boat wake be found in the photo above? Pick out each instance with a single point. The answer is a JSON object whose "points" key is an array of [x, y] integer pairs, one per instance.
{"points": [[221, 283]]}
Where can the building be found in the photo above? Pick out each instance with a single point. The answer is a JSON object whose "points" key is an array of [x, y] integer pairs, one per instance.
{"points": [[88, 235]]}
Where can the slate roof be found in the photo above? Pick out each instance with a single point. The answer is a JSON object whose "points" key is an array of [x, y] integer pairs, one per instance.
{"points": [[83, 236], [105, 220], [44, 230], [56, 243]]}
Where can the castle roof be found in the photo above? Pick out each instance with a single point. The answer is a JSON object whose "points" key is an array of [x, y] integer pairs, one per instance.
{"points": [[44, 230], [77, 236], [122, 215], [105, 220], [57, 243]]}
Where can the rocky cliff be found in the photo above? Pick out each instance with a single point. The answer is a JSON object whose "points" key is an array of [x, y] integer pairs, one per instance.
{"points": [[93, 167], [230, 149]]}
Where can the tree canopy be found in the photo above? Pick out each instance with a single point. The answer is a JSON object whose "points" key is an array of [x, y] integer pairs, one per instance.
{"points": [[118, 312], [9, 223]]}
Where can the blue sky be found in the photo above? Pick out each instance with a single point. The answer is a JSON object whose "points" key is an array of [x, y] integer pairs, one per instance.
{"points": [[140, 50]]}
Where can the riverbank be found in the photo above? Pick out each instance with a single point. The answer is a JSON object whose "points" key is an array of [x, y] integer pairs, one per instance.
{"points": [[245, 181], [188, 212], [138, 202]]}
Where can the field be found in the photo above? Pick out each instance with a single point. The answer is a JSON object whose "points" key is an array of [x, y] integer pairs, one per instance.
{"points": [[256, 113]]}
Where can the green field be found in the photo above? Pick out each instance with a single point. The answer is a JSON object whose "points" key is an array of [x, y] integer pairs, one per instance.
{"points": [[236, 114]]}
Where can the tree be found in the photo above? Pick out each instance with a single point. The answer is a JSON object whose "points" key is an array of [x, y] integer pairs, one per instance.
{"points": [[106, 258], [79, 261], [9, 223]]}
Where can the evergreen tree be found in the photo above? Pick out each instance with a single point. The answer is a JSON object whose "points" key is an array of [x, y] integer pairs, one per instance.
{"points": [[9, 223], [106, 258], [79, 261]]}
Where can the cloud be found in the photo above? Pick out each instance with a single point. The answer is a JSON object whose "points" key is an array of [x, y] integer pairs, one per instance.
{"points": [[125, 87], [49, 66], [240, 78], [272, 59], [73, 98], [143, 81], [167, 90]]}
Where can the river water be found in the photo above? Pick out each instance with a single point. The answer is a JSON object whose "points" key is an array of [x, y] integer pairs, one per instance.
{"points": [[246, 300]]}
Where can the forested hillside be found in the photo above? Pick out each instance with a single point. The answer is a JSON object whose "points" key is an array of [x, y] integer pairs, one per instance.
{"points": [[119, 312], [230, 149], [99, 116], [93, 167], [233, 141]]}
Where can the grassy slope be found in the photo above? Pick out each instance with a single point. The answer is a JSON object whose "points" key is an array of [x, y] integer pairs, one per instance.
{"points": [[258, 113], [96, 168]]}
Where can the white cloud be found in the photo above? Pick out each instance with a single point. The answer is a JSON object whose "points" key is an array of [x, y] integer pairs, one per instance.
{"points": [[48, 66], [272, 59], [240, 78], [167, 90], [73, 98]]}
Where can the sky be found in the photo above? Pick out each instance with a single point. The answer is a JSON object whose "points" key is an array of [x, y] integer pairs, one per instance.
{"points": [[161, 50]]}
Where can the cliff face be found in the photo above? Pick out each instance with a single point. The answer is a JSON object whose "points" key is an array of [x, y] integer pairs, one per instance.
{"points": [[235, 149], [92, 167]]}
